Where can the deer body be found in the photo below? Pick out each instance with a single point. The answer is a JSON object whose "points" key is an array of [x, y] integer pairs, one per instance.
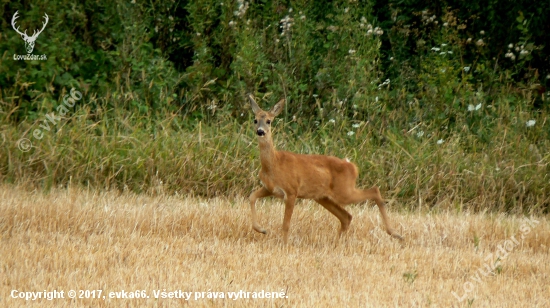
{"points": [[299, 171], [328, 180]]}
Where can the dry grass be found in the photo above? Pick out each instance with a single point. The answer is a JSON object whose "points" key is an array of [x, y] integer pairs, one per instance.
{"points": [[74, 239]]}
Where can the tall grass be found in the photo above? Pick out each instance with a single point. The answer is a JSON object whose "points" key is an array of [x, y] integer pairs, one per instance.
{"points": [[419, 166]]}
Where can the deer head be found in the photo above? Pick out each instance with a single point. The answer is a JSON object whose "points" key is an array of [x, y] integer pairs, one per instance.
{"points": [[29, 40], [263, 119]]}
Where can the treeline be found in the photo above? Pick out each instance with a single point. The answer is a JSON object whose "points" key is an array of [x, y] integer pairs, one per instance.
{"points": [[185, 55]]}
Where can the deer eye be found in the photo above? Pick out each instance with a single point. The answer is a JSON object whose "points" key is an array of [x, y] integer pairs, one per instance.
{"points": [[255, 121], [268, 122]]}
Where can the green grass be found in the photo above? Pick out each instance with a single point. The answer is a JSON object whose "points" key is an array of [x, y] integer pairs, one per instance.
{"points": [[417, 171]]}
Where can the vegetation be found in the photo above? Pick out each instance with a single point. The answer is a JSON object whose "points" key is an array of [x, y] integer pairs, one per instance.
{"points": [[441, 103]]}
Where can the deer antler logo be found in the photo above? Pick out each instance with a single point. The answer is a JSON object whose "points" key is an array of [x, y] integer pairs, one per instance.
{"points": [[29, 40]]}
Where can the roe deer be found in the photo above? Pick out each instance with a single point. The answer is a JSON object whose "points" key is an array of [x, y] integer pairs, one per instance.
{"points": [[328, 180]]}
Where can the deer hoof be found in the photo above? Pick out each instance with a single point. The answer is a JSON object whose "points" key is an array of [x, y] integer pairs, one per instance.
{"points": [[397, 236], [260, 230]]}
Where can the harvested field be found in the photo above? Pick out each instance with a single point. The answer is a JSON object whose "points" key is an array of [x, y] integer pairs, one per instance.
{"points": [[80, 240]]}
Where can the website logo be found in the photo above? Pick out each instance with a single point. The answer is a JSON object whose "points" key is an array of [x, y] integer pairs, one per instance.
{"points": [[29, 40]]}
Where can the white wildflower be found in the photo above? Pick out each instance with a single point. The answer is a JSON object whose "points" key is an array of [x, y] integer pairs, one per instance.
{"points": [[469, 40], [436, 49], [482, 32], [443, 45], [440, 141], [286, 23], [243, 6], [480, 42], [332, 121], [511, 46], [420, 134], [466, 69], [351, 133], [530, 123], [471, 107], [351, 51], [356, 125]]}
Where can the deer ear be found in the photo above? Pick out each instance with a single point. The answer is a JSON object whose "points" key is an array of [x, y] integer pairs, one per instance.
{"points": [[253, 104], [276, 110]]}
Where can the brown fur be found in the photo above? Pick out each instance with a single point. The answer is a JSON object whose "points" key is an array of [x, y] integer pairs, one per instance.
{"points": [[328, 180]]}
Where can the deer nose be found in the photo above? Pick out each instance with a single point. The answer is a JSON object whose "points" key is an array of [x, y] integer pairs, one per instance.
{"points": [[260, 132]]}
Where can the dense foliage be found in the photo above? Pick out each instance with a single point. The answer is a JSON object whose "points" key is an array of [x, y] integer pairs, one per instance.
{"points": [[439, 101]]}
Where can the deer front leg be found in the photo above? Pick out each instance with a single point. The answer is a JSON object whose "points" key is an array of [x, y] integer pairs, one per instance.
{"points": [[260, 193], [289, 208]]}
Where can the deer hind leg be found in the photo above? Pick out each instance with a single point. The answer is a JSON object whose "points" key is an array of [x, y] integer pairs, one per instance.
{"points": [[338, 211], [260, 193], [360, 195]]}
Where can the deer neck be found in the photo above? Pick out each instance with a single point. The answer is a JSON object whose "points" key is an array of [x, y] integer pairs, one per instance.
{"points": [[267, 154]]}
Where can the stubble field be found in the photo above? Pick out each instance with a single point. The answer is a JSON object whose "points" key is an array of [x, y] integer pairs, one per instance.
{"points": [[80, 240]]}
